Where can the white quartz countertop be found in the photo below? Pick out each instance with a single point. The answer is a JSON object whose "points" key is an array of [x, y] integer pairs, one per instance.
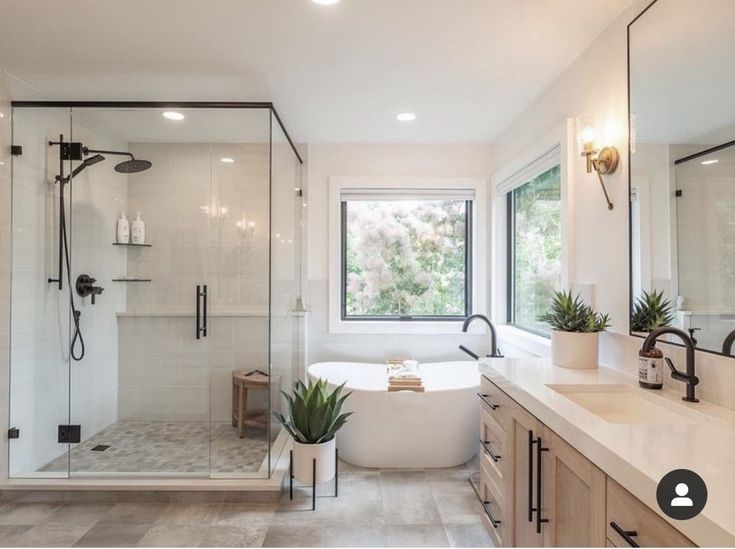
{"points": [[636, 455]]}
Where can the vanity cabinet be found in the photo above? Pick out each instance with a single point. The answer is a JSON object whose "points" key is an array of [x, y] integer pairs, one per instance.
{"points": [[537, 490]]}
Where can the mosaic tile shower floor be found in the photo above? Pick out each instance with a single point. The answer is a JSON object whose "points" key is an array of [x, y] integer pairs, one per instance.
{"points": [[167, 447]]}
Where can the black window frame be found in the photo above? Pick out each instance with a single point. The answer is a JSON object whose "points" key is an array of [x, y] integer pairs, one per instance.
{"points": [[510, 267], [468, 288]]}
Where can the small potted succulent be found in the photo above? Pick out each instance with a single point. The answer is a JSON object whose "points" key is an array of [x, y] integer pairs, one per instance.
{"points": [[314, 419], [651, 311], [575, 331]]}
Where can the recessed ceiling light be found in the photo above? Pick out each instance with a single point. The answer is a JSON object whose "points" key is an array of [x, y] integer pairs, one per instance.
{"points": [[406, 117], [173, 115], [227, 160], [325, 2], [708, 162]]}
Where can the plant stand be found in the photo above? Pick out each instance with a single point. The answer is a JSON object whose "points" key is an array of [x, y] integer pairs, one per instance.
{"points": [[313, 478]]}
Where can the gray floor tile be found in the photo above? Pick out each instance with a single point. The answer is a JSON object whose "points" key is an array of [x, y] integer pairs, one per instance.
{"points": [[417, 535], [407, 499], [467, 535], [78, 514], [10, 534], [245, 515], [351, 535], [20, 514], [202, 514], [228, 536], [303, 536], [113, 535], [51, 535], [133, 513], [172, 535], [457, 507]]}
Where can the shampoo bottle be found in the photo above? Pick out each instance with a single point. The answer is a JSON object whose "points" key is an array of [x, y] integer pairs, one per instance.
{"points": [[651, 369], [138, 230], [123, 229]]}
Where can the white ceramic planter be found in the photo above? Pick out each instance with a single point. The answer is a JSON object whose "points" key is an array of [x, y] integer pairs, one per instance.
{"points": [[575, 350], [303, 461]]}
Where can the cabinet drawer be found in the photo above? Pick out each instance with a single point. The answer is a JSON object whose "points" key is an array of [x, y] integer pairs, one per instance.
{"points": [[630, 514], [494, 455], [496, 403], [493, 514]]}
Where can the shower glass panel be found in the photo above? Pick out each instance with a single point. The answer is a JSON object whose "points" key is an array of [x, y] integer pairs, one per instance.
{"points": [[167, 324], [286, 306], [39, 375]]}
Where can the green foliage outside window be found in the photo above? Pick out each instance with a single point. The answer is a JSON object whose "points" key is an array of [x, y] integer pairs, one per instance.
{"points": [[405, 258]]}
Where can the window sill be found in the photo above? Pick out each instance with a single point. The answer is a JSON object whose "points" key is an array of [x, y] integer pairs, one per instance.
{"points": [[395, 327], [527, 341]]}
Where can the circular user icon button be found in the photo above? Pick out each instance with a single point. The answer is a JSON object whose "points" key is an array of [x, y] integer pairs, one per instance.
{"points": [[681, 494]]}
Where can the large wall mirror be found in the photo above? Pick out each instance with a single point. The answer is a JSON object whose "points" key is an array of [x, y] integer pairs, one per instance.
{"points": [[682, 170]]}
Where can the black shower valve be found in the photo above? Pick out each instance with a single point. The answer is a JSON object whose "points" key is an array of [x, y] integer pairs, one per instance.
{"points": [[86, 286]]}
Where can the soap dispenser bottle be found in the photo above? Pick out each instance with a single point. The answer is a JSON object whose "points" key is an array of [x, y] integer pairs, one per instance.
{"points": [[123, 229], [651, 368], [138, 230]]}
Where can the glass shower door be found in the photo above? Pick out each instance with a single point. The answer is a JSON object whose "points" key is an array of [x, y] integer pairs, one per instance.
{"points": [[39, 354]]}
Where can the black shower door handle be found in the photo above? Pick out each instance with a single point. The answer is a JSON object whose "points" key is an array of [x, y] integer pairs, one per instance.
{"points": [[204, 324], [201, 312]]}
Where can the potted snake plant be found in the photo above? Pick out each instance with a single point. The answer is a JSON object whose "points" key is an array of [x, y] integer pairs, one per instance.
{"points": [[314, 417], [651, 311], [575, 331]]}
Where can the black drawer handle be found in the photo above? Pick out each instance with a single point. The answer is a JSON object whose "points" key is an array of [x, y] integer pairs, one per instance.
{"points": [[493, 455], [627, 535], [539, 482], [488, 512], [531, 442], [486, 401]]}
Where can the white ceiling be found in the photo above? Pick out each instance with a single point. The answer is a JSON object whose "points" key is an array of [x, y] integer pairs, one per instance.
{"points": [[336, 73]]}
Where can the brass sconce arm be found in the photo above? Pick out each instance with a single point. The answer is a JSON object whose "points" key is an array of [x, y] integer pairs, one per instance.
{"points": [[603, 162]]}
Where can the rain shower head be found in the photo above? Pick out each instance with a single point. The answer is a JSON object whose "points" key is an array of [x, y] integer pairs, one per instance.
{"points": [[128, 166], [133, 166]]}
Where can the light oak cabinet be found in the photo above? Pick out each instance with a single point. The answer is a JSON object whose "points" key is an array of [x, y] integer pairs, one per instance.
{"points": [[537, 490]]}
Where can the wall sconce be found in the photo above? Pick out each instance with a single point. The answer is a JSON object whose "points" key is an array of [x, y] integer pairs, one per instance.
{"points": [[602, 160]]}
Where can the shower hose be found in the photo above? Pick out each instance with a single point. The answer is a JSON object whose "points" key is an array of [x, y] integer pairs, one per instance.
{"points": [[77, 339]]}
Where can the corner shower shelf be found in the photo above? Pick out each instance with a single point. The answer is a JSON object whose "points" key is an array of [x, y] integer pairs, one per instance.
{"points": [[133, 245], [132, 280]]}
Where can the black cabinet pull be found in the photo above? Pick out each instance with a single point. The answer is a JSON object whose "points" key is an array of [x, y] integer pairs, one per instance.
{"points": [[530, 476], [488, 512], [539, 451], [204, 296], [486, 401], [627, 535], [199, 312], [493, 455]]}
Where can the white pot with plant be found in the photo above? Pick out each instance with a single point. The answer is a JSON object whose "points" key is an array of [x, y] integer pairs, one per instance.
{"points": [[575, 331], [314, 419]]}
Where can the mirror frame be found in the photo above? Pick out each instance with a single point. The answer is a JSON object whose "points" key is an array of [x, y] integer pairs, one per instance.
{"points": [[631, 297]]}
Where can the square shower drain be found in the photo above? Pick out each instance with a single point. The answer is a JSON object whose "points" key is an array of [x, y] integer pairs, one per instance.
{"points": [[100, 448]]}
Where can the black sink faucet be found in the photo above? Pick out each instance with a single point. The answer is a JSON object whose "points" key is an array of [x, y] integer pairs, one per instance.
{"points": [[495, 352], [689, 378]]}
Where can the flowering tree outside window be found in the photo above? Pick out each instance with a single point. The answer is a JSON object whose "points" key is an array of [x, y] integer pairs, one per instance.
{"points": [[405, 258], [535, 225]]}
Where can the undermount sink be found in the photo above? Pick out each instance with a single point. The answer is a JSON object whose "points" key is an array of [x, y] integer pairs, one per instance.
{"points": [[621, 404]]}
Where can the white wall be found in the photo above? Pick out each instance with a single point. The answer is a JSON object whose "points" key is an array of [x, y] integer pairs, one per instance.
{"points": [[358, 160], [596, 83]]}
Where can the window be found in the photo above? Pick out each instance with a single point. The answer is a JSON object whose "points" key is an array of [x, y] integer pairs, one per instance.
{"points": [[406, 255], [535, 248]]}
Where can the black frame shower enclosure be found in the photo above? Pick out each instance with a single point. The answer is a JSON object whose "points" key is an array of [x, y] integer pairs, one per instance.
{"points": [[153, 396]]}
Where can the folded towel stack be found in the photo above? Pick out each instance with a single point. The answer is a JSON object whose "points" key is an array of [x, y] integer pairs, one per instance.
{"points": [[405, 377]]}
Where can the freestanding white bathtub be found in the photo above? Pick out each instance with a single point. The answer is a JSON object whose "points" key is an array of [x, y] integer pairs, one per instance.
{"points": [[437, 428]]}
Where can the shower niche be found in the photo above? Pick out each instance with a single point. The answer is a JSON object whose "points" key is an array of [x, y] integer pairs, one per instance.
{"points": [[123, 353]]}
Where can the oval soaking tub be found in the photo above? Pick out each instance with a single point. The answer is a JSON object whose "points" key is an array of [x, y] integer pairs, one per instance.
{"points": [[436, 428]]}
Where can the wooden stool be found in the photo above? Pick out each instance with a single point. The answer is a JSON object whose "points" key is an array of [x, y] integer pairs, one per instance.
{"points": [[241, 382]]}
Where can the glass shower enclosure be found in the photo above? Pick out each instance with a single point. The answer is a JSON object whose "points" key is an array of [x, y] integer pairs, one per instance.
{"points": [[133, 356]]}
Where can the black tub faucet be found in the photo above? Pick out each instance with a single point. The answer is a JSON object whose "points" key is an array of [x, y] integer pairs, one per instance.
{"points": [[727, 345], [689, 378], [495, 352]]}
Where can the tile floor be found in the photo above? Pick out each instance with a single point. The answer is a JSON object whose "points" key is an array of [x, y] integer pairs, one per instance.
{"points": [[391, 508], [167, 447]]}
